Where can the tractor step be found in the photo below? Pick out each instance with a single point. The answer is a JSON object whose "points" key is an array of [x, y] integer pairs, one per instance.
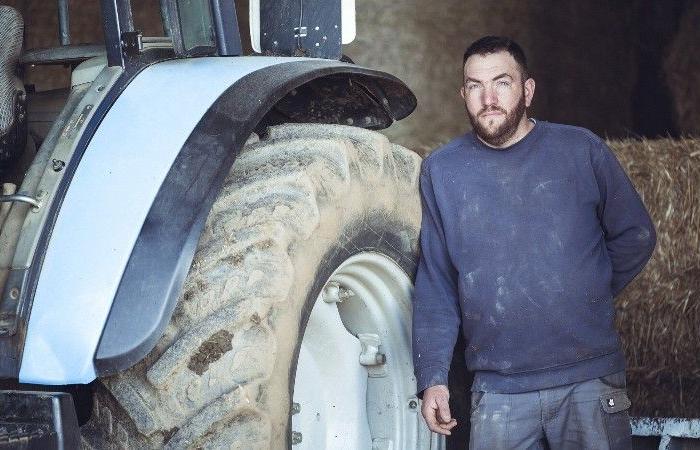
{"points": [[37, 420]]}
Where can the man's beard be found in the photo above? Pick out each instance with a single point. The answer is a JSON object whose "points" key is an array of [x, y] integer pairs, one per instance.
{"points": [[506, 130]]}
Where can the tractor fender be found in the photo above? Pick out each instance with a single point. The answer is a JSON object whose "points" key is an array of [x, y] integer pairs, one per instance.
{"points": [[129, 224]]}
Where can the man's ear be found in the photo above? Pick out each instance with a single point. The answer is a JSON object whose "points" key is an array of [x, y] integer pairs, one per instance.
{"points": [[529, 91], [462, 93]]}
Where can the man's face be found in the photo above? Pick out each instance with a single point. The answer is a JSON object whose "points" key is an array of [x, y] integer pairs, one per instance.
{"points": [[496, 97]]}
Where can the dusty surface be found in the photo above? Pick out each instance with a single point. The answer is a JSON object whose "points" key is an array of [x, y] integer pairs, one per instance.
{"points": [[220, 376]]}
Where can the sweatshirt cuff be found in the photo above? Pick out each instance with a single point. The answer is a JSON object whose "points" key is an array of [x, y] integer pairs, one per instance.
{"points": [[430, 376]]}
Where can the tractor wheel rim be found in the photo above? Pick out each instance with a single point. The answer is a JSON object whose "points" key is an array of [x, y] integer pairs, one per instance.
{"points": [[354, 386]]}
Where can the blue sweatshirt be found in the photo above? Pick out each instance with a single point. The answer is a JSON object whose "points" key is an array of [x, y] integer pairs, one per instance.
{"points": [[525, 247]]}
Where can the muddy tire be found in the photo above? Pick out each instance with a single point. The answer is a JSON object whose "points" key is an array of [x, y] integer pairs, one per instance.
{"points": [[297, 204]]}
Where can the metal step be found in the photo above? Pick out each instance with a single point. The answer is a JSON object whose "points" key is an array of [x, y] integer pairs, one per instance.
{"points": [[29, 435], [37, 420]]}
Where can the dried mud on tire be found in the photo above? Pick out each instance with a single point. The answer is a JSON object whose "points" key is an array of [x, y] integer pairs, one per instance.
{"points": [[296, 204]]}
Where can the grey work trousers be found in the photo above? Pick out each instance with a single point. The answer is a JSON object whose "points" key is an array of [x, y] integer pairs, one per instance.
{"points": [[587, 415]]}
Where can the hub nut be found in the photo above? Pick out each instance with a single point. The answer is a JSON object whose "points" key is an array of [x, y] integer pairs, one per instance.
{"points": [[331, 293], [370, 356]]}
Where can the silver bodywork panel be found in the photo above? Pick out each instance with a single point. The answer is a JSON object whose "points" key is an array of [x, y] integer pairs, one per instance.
{"points": [[105, 207]]}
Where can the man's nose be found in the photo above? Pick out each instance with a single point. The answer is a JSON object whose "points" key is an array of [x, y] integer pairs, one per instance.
{"points": [[489, 97]]}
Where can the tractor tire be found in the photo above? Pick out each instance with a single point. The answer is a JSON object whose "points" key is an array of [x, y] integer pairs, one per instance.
{"points": [[296, 205]]}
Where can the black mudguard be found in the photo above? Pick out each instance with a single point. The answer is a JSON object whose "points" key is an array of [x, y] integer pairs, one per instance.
{"points": [[321, 91]]}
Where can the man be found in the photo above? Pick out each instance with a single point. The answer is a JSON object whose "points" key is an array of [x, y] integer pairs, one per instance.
{"points": [[529, 230]]}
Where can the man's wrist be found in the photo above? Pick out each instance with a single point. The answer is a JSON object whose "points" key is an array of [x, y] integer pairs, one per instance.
{"points": [[430, 376]]}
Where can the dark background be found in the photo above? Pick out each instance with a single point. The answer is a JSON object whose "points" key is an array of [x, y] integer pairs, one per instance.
{"points": [[621, 69]]}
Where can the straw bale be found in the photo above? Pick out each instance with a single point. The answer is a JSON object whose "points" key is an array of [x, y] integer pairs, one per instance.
{"points": [[659, 312]]}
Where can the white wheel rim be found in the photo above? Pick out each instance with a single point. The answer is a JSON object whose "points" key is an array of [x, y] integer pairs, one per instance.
{"points": [[340, 403]]}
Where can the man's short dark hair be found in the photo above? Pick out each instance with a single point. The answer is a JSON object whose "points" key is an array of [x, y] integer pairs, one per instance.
{"points": [[494, 44]]}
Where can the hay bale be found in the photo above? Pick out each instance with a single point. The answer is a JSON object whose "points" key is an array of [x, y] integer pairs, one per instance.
{"points": [[659, 312]]}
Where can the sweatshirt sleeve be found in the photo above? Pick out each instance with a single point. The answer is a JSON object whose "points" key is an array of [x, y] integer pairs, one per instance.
{"points": [[436, 311], [629, 232]]}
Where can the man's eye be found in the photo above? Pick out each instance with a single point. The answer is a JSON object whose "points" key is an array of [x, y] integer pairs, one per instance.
{"points": [[503, 83], [471, 87]]}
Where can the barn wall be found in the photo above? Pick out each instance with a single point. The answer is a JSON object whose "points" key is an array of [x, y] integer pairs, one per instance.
{"points": [[581, 54], [682, 70]]}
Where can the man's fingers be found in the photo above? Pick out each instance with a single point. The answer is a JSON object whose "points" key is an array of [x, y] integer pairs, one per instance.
{"points": [[431, 419], [449, 425], [440, 428], [430, 414], [436, 410], [443, 410]]}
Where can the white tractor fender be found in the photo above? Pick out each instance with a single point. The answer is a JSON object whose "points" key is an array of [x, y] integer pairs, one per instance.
{"points": [[127, 228], [105, 207]]}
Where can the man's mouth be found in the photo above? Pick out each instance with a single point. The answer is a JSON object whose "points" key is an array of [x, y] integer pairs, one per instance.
{"points": [[492, 112]]}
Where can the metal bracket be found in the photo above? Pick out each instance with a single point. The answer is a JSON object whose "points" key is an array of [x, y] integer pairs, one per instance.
{"points": [[335, 293], [21, 198], [371, 357], [671, 430], [300, 32], [132, 42]]}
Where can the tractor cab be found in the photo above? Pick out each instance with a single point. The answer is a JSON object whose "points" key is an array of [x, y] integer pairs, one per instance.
{"points": [[175, 29]]}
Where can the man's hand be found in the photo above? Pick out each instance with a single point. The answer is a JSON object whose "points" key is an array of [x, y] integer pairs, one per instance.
{"points": [[436, 409]]}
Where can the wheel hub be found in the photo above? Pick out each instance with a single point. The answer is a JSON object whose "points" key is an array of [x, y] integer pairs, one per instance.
{"points": [[354, 386]]}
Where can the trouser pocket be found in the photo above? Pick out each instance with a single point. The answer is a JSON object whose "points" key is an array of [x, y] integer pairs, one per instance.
{"points": [[475, 401], [615, 380], [616, 419]]}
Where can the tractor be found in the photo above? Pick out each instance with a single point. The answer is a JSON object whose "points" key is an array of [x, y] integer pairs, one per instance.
{"points": [[202, 249]]}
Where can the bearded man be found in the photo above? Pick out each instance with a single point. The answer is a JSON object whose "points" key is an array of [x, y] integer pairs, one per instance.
{"points": [[529, 231]]}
